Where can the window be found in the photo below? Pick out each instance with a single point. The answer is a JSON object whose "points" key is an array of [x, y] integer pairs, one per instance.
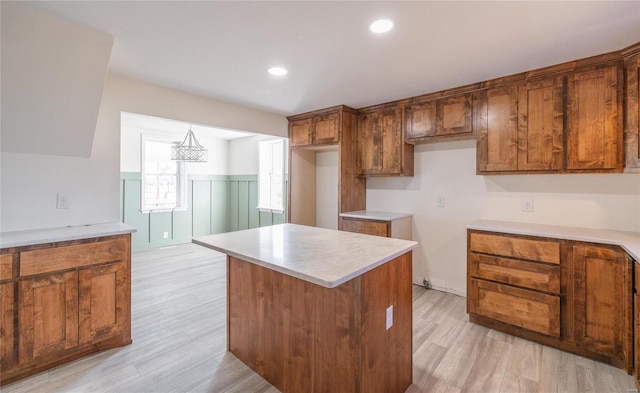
{"points": [[271, 176], [163, 180]]}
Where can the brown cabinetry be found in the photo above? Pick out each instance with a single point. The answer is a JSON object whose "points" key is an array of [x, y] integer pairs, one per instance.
{"points": [[602, 290], [636, 321], [571, 295], [378, 224], [632, 131], [323, 129], [439, 119], [382, 150], [73, 298], [594, 120]]}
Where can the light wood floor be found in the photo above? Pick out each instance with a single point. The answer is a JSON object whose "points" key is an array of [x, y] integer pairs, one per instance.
{"points": [[179, 342]]}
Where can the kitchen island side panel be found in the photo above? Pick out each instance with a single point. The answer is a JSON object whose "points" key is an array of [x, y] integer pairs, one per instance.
{"points": [[300, 336]]}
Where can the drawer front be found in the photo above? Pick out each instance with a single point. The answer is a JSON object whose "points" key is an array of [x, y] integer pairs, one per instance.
{"points": [[530, 249], [367, 227], [69, 257], [6, 267], [515, 272], [527, 309]]}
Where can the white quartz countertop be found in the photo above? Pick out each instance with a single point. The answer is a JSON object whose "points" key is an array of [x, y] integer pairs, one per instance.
{"points": [[52, 235], [321, 256], [629, 241], [375, 215]]}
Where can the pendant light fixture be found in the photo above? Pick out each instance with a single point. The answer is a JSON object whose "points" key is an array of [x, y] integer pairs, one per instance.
{"points": [[189, 150]]}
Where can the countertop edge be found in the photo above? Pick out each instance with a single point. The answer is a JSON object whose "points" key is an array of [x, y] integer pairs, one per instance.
{"points": [[303, 276], [55, 235], [628, 241], [375, 215]]}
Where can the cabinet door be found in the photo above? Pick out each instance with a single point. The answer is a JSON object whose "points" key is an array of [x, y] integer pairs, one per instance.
{"points": [[326, 129], [594, 135], [48, 316], [420, 120], [104, 302], [392, 142], [540, 125], [6, 326], [300, 132], [602, 290], [495, 112], [454, 116], [632, 67], [369, 141], [636, 336]]}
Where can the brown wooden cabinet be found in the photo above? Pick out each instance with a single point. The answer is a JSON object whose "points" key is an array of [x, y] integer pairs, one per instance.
{"points": [[571, 295], [594, 120], [73, 299], [636, 321], [381, 148], [323, 129], [541, 125], [602, 291], [439, 119], [632, 131], [495, 116], [393, 225]]}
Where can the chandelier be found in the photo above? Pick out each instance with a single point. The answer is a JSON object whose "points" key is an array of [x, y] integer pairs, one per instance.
{"points": [[189, 150]]}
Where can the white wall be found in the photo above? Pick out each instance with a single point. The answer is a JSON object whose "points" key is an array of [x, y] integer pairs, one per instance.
{"points": [[610, 201], [218, 154], [29, 182], [327, 189]]}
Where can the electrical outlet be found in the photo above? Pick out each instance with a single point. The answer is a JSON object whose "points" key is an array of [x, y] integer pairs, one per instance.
{"points": [[440, 201], [62, 201], [165, 235], [389, 316], [527, 205]]}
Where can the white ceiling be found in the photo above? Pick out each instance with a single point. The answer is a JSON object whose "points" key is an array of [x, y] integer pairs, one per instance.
{"points": [[223, 49], [175, 127]]}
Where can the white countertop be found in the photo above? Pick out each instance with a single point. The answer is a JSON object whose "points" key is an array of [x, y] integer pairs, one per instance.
{"points": [[375, 215], [629, 241], [321, 256], [52, 235]]}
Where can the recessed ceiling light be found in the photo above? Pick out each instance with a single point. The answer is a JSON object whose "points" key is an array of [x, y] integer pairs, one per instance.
{"points": [[381, 26], [278, 71]]}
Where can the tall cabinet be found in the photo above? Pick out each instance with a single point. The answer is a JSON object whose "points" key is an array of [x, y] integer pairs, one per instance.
{"points": [[331, 129]]}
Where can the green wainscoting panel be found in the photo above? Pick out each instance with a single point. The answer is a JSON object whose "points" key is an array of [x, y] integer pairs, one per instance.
{"points": [[131, 214], [254, 214], [159, 224], [201, 205], [217, 204]]}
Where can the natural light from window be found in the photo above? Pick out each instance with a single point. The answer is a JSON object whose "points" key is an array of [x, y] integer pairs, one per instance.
{"points": [[271, 176], [163, 180]]}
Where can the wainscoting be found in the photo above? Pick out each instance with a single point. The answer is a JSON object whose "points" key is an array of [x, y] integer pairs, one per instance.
{"points": [[216, 204]]}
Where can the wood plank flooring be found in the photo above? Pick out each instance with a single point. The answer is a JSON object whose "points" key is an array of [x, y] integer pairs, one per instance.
{"points": [[179, 344]]}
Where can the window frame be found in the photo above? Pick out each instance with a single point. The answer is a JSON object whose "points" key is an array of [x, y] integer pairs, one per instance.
{"points": [[270, 208], [181, 177]]}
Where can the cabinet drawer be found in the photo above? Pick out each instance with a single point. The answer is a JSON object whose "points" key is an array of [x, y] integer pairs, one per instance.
{"points": [[533, 250], [368, 227], [511, 271], [69, 257], [6, 266], [527, 309]]}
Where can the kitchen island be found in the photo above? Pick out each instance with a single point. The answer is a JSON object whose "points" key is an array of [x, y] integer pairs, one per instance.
{"points": [[320, 310]]}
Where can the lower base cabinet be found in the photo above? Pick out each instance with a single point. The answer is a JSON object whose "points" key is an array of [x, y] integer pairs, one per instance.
{"points": [[73, 299], [571, 295]]}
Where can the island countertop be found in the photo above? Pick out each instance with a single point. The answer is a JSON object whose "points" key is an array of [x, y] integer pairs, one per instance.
{"points": [[375, 215], [629, 241], [321, 256]]}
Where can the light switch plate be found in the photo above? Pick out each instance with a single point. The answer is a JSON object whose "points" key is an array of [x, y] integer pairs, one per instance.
{"points": [[389, 317]]}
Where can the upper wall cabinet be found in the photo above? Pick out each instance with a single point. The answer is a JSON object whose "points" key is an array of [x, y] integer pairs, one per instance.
{"points": [[533, 127], [632, 142], [594, 120], [439, 119], [381, 148], [322, 129]]}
